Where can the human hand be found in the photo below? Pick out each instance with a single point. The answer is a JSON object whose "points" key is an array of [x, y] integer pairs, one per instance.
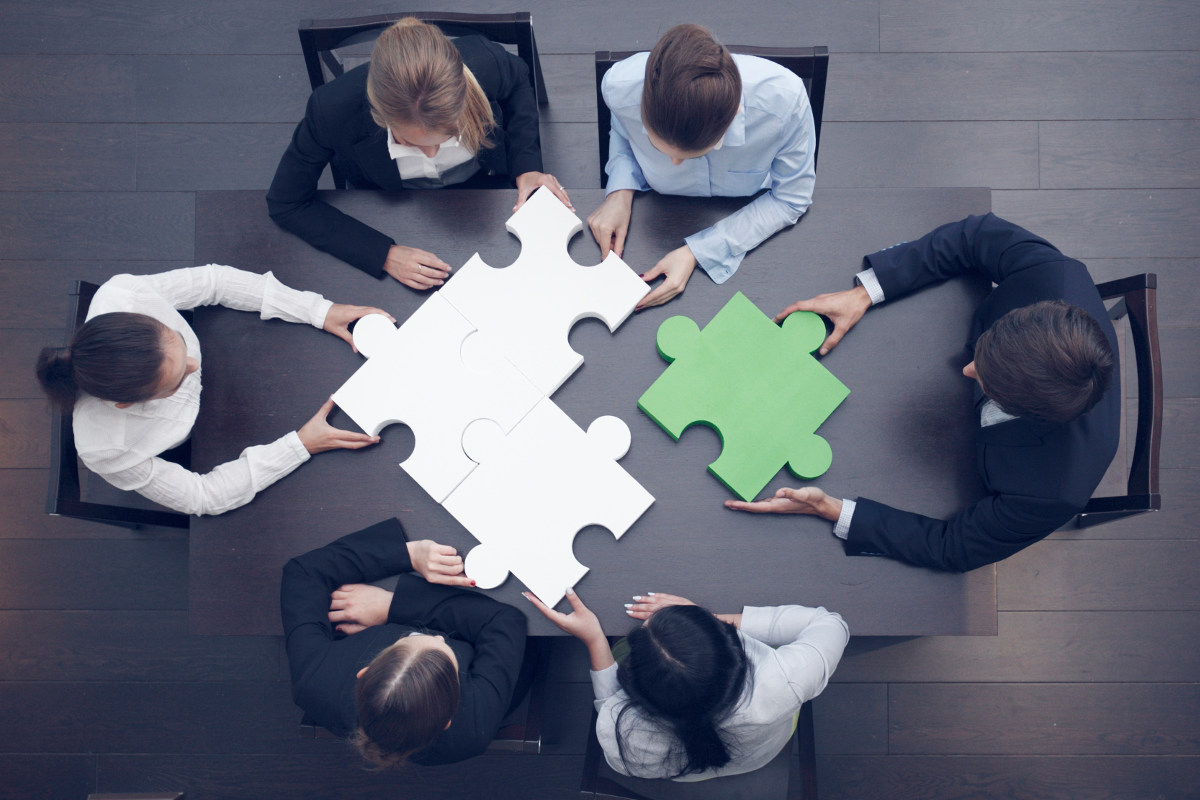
{"points": [[677, 266], [610, 222], [416, 269], [528, 182], [809, 500], [580, 623], [644, 605], [339, 317], [357, 606], [844, 309], [438, 563], [317, 435]]}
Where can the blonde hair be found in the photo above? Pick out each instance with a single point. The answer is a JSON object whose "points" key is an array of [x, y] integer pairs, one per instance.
{"points": [[417, 77]]}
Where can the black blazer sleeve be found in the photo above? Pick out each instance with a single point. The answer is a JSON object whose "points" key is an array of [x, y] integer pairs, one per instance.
{"points": [[292, 199], [986, 244]]}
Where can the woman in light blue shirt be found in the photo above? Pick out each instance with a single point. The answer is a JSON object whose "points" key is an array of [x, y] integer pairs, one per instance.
{"points": [[688, 118]]}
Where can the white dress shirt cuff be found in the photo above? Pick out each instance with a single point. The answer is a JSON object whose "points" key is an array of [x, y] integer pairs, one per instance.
{"points": [[842, 528], [868, 281], [604, 682]]}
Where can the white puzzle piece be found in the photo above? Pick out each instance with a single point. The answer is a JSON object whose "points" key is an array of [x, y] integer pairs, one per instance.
{"points": [[534, 489], [436, 374], [530, 306]]}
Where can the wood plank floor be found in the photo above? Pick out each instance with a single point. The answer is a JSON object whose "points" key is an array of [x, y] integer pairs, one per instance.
{"points": [[1082, 115]]}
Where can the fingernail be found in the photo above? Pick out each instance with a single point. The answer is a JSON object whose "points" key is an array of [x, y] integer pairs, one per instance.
{"points": [[630, 613], [570, 590], [472, 583], [823, 351], [637, 597], [629, 605], [650, 594]]}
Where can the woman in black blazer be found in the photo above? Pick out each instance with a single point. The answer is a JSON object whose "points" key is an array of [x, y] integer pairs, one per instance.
{"points": [[426, 112], [426, 671]]}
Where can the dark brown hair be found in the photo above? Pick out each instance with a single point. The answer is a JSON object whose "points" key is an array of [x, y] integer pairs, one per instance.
{"points": [[692, 89], [114, 356], [1048, 361], [404, 700]]}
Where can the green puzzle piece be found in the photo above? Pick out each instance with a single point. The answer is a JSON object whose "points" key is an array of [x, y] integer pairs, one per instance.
{"points": [[753, 381]]}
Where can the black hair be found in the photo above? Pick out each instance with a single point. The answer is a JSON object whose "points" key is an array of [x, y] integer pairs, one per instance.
{"points": [[685, 669], [114, 357]]}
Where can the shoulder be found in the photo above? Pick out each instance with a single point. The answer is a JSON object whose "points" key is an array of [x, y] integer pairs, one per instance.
{"points": [[490, 63], [766, 86], [622, 84], [341, 98]]}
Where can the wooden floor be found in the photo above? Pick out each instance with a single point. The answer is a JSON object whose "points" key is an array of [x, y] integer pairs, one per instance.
{"points": [[1082, 115]]}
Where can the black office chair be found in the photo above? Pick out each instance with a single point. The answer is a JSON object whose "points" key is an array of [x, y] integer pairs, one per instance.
{"points": [[780, 778], [65, 497], [137, 796], [333, 46], [521, 730], [1137, 303], [811, 65]]}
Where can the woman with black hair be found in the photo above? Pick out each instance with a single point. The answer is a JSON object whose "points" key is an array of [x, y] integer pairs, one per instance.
{"points": [[703, 695]]}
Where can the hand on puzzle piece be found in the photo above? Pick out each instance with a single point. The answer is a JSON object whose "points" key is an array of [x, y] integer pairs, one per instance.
{"points": [[844, 309], [676, 268], [610, 222], [339, 317], [580, 623], [528, 183], [318, 435], [809, 500], [358, 606], [438, 563], [416, 269]]}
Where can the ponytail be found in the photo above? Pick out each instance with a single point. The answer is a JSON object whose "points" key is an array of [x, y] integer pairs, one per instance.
{"points": [[113, 357], [686, 670]]}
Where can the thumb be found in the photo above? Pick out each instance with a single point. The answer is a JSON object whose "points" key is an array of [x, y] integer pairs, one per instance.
{"points": [[832, 340], [653, 273]]}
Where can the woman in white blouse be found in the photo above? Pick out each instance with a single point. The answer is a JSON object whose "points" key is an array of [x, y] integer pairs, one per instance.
{"points": [[703, 695], [132, 376]]}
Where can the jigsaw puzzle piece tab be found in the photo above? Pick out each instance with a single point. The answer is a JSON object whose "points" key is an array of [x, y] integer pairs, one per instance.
{"points": [[534, 489], [436, 374], [755, 383], [530, 306]]}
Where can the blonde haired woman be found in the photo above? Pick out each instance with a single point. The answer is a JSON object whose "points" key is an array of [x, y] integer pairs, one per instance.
{"points": [[426, 112]]}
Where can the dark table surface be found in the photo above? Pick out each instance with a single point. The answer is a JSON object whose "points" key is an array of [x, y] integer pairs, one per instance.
{"points": [[904, 436]]}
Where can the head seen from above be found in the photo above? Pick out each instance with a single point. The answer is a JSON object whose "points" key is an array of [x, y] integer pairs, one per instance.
{"points": [[1049, 361], [405, 697], [686, 669], [122, 357], [692, 93], [418, 87]]}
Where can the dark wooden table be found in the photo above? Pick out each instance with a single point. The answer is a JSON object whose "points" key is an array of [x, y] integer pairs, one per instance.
{"points": [[902, 437]]}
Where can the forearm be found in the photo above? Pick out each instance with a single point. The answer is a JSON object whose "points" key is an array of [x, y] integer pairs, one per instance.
{"points": [[719, 250]]}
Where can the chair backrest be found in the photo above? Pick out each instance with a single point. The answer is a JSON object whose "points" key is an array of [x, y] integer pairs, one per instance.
{"points": [[1138, 302], [810, 64], [320, 38], [65, 496]]}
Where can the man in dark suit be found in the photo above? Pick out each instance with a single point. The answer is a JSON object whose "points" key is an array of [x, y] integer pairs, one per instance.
{"points": [[338, 127], [1047, 394]]}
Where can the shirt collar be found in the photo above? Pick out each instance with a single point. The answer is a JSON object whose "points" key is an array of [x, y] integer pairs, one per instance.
{"points": [[397, 150]]}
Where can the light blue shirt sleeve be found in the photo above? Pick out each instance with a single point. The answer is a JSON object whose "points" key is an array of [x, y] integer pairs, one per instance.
{"points": [[622, 168]]}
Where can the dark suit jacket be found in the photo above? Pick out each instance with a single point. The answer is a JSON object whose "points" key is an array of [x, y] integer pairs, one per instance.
{"points": [[338, 127], [1038, 474], [487, 637]]}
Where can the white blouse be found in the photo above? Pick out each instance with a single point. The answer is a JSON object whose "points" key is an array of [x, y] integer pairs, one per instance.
{"points": [[122, 444], [792, 650]]}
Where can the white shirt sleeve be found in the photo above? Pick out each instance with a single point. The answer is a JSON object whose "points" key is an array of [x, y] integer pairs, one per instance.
{"points": [[808, 645], [868, 281], [227, 486], [604, 684], [238, 289]]}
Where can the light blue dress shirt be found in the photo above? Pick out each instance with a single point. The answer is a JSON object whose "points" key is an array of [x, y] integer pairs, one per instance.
{"points": [[771, 144]]}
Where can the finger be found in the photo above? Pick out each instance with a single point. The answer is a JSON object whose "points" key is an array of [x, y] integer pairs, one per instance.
{"points": [[451, 580], [756, 507], [325, 408], [548, 612], [351, 627], [559, 192], [369, 310], [523, 193], [603, 237], [619, 239], [655, 298], [435, 268], [338, 615], [575, 601], [832, 340]]}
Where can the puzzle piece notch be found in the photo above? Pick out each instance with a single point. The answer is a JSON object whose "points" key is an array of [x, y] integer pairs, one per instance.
{"points": [[436, 374], [753, 382], [530, 306], [535, 489]]}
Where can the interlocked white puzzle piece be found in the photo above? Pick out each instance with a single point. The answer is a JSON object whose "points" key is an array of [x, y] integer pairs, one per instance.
{"points": [[534, 489], [530, 306], [436, 374]]}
